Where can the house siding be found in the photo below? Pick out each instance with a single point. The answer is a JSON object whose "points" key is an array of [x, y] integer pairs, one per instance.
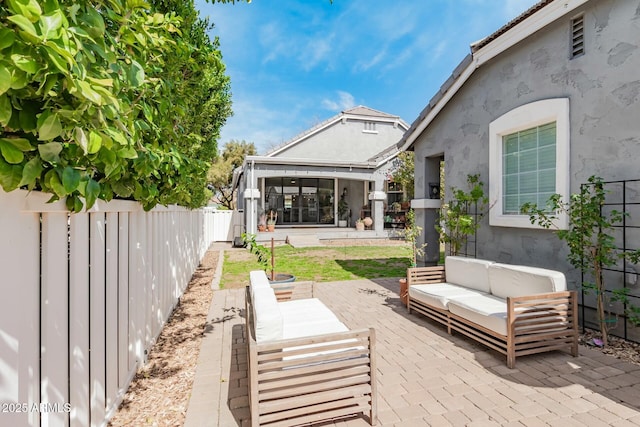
{"points": [[345, 140], [603, 88]]}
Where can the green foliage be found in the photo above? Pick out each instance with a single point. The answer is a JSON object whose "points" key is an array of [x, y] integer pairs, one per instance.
{"points": [[102, 99], [220, 174], [457, 222], [590, 241], [262, 253], [404, 174], [411, 233]]}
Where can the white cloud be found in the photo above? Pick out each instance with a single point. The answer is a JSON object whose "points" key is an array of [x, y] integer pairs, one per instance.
{"points": [[344, 101]]}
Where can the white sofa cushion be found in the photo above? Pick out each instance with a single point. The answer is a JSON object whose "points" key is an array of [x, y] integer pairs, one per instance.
{"points": [[517, 280], [438, 295], [308, 317], [485, 310], [258, 279], [266, 315], [308, 310], [468, 272]]}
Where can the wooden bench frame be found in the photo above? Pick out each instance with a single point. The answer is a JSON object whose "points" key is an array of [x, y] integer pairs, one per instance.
{"points": [[285, 392], [553, 327]]}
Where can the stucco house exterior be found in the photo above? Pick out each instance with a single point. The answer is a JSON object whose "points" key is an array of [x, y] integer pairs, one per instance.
{"points": [[536, 108], [347, 157]]}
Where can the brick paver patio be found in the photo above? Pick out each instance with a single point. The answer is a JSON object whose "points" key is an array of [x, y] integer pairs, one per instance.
{"points": [[425, 376]]}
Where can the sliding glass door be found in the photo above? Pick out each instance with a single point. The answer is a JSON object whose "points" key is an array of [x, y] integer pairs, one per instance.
{"points": [[300, 201]]}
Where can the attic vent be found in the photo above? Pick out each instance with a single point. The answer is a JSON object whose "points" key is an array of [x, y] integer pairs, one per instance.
{"points": [[577, 36]]}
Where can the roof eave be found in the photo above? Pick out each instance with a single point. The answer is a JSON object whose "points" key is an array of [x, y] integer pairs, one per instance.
{"points": [[309, 162], [534, 19]]}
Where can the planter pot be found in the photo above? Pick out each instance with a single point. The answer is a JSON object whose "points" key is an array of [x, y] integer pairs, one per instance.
{"points": [[283, 278], [404, 291], [342, 223], [262, 227], [271, 227], [360, 226]]}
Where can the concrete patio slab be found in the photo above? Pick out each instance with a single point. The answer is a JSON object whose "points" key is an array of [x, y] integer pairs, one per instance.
{"points": [[425, 376]]}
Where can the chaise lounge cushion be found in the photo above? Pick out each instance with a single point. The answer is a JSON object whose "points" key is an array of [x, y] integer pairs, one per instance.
{"points": [[438, 295], [468, 272], [518, 280]]}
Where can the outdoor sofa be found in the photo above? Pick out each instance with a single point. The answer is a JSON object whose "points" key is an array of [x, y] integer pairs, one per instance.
{"points": [[305, 366], [516, 310]]}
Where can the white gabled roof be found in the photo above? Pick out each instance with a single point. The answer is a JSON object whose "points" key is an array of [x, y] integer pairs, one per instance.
{"points": [[360, 112], [535, 18]]}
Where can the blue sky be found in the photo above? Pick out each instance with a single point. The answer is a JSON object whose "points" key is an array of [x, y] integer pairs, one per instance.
{"points": [[295, 63]]}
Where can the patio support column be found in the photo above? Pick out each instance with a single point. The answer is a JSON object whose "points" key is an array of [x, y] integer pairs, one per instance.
{"points": [[377, 198], [251, 196]]}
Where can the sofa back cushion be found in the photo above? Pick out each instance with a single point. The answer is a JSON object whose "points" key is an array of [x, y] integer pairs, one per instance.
{"points": [[468, 272], [519, 280], [267, 318]]}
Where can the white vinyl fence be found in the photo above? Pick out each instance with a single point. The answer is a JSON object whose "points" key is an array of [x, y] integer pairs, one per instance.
{"points": [[83, 297]]}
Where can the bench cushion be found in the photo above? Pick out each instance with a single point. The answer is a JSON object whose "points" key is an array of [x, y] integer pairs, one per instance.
{"points": [[308, 317], [517, 280], [438, 295], [468, 272], [485, 310], [266, 315]]}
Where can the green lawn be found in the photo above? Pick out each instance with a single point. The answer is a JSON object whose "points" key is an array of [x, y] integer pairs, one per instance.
{"points": [[321, 264]]}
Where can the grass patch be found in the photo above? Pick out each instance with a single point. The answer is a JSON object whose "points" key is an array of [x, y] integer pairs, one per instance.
{"points": [[321, 264]]}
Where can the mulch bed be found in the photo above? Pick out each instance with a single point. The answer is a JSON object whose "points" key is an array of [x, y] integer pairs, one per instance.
{"points": [[159, 393]]}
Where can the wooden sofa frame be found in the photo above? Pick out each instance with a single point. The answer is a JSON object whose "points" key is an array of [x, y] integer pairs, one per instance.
{"points": [[554, 327], [283, 391]]}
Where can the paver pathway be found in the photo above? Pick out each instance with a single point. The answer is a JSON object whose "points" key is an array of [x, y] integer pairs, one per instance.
{"points": [[425, 376]]}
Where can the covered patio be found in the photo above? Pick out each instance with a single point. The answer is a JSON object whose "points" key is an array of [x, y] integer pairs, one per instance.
{"points": [[425, 376]]}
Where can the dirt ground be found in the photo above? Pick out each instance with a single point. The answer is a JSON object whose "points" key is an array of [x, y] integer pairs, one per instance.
{"points": [[160, 391]]}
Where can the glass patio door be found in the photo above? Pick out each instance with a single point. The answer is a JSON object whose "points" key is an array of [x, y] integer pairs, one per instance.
{"points": [[301, 200]]}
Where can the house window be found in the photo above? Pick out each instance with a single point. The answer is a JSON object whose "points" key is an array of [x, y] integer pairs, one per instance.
{"points": [[577, 36], [528, 167], [528, 160], [369, 127]]}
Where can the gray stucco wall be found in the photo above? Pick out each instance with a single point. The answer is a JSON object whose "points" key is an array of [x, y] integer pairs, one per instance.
{"points": [[346, 141], [603, 87]]}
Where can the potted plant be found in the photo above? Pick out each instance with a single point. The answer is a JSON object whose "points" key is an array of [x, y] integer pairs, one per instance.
{"points": [[360, 224], [343, 212], [271, 222], [368, 222], [262, 222]]}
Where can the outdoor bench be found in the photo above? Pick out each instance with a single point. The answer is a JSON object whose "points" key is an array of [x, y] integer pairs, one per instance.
{"points": [[513, 309], [305, 366]]}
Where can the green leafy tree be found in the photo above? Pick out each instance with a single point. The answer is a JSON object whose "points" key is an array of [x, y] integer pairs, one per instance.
{"points": [[590, 241], [221, 171], [460, 217], [95, 101], [405, 173]]}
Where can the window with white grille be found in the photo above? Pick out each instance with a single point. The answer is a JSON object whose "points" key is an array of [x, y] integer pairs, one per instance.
{"points": [[577, 36], [528, 160], [370, 127]]}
